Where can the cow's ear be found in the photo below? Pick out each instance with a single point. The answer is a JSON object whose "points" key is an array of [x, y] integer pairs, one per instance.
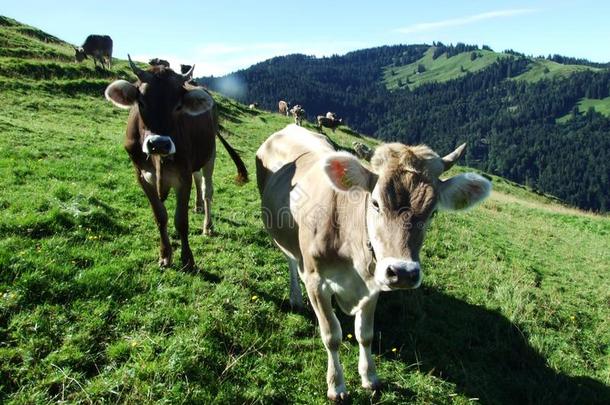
{"points": [[463, 191], [345, 171], [197, 101], [122, 93]]}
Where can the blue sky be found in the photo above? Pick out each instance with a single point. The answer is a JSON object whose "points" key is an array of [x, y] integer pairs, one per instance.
{"points": [[223, 36]]}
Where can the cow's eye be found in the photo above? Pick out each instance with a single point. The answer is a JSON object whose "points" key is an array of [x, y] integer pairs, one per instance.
{"points": [[375, 205]]}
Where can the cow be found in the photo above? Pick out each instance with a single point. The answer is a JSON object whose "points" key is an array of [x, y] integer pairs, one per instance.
{"points": [[171, 135], [298, 113], [351, 231], [362, 151], [99, 47], [157, 61], [253, 106], [331, 123], [331, 115], [283, 107]]}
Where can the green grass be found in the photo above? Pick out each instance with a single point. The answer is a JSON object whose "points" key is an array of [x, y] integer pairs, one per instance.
{"points": [[439, 70], [540, 69], [514, 307], [602, 106]]}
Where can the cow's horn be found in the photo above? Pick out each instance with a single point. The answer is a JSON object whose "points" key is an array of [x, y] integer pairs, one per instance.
{"points": [[454, 156], [189, 75], [143, 75]]}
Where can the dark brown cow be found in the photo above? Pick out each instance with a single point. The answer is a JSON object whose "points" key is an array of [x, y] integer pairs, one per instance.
{"points": [[171, 133], [99, 47], [157, 61]]}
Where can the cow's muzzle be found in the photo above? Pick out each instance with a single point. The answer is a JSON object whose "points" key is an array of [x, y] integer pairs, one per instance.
{"points": [[158, 145], [398, 274]]}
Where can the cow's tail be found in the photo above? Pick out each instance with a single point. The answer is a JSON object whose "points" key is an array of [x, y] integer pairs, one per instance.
{"points": [[242, 172]]}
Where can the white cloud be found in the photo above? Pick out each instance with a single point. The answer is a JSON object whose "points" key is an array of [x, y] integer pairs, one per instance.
{"points": [[455, 22]]}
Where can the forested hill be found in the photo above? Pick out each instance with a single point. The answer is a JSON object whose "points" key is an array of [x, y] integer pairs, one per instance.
{"points": [[542, 122]]}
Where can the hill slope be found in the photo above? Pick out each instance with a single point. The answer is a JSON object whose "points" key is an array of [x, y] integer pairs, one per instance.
{"points": [[514, 111], [514, 306]]}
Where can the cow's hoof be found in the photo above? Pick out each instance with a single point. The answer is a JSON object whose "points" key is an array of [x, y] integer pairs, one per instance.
{"points": [[209, 231], [165, 262], [340, 395], [374, 385]]}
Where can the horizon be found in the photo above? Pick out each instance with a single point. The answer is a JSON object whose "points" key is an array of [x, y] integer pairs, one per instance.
{"points": [[265, 30]]}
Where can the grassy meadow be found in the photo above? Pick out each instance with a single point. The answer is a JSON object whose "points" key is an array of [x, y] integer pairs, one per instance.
{"points": [[514, 306]]}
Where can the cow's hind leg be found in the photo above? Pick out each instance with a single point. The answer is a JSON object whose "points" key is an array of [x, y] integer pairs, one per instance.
{"points": [[160, 213], [197, 179], [207, 189], [296, 296], [330, 330], [363, 328], [181, 221]]}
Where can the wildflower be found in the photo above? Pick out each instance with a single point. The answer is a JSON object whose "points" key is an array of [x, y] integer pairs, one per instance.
{"points": [[349, 336], [254, 297], [394, 350]]}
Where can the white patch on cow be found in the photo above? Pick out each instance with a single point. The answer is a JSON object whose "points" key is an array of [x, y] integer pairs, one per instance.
{"points": [[381, 276], [150, 136], [149, 177]]}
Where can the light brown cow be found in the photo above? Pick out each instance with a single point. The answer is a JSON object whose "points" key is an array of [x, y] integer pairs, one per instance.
{"points": [[282, 107], [298, 113], [350, 231]]}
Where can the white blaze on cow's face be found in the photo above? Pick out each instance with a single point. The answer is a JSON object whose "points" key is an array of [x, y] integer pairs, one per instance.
{"points": [[404, 191]]}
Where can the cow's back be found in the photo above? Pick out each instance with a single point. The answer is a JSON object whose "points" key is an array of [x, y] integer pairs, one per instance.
{"points": [[282, 161]]}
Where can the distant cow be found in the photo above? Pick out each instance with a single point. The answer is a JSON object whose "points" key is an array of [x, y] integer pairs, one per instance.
{"points": [[298, 113], [99, 47], [351, 232], [158, 62], [362, 151], [171, 134], [331, 115], [283, 107], [253, 106], [329, 122]]}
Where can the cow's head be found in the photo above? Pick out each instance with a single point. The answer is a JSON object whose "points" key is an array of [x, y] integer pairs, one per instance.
{"points": [[403, 192], [162, 98], [79, 54]]}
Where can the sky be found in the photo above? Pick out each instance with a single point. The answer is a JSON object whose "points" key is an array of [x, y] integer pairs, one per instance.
{"points": [[223, 36]]}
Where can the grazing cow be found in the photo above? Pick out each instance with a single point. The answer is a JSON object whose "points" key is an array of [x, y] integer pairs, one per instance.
{"points": [[99, 47], [171, 134], [298, 113], [331, 115], [283, 108], [362, 151], [350, 231], [253, 106], [331, 123], [157, 61]]}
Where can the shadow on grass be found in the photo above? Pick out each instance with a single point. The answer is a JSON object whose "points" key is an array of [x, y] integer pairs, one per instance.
{"points": [[479, 350]]}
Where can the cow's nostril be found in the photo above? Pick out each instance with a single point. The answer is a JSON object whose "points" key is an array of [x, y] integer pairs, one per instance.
{"points": [[391, 272]]}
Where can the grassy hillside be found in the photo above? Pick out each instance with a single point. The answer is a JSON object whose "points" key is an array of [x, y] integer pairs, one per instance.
{"points": [[602, 106], [540, 69], [440, 70], [514, 307], [446, 68]]}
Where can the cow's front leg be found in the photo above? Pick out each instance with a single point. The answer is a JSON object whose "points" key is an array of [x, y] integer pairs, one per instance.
{"points": [[181, 220], [160, 213], [207, 189], [363, 327], [330, 329]]}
